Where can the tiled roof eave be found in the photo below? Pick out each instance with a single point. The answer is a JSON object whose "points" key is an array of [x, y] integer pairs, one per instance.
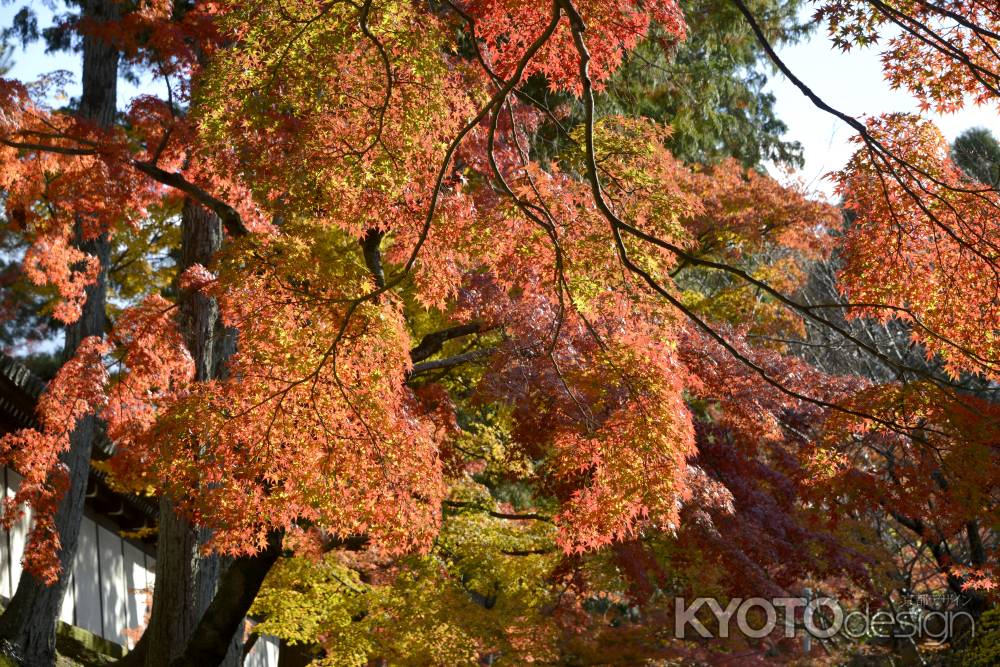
{"points": [[20, 390]]}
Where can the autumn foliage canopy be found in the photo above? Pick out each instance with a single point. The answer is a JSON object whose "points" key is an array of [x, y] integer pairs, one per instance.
{"points": [[541, 379]]}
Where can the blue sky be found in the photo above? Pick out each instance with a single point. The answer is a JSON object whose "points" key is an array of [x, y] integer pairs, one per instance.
{"points": [[853, 83], [850, 81]]}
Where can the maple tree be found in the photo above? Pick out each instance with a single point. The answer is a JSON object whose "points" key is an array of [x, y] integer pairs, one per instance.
{"points": [[441, 372]]}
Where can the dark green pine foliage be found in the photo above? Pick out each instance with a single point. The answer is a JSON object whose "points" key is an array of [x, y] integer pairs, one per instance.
{"points": [[710, 89], [977, 152]]}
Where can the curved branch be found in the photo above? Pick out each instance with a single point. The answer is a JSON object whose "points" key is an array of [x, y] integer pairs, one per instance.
{"points": [[512, 516], [450, 362], [231, 219], [432, 343]]}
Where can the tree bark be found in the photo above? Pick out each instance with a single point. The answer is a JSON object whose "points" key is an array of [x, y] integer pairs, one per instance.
{"points": [[186, 580], [210, 645], [28, 625]]}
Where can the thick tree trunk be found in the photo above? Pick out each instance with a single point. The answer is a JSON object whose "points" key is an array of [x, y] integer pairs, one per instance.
{"points": [[186, 580], [189, 584], [210, 343], [29, 622], [211, 643]]}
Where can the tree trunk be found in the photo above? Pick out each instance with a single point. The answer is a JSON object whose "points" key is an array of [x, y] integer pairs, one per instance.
{"points": [[186, 580], [211, 644], [28, 624]]}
